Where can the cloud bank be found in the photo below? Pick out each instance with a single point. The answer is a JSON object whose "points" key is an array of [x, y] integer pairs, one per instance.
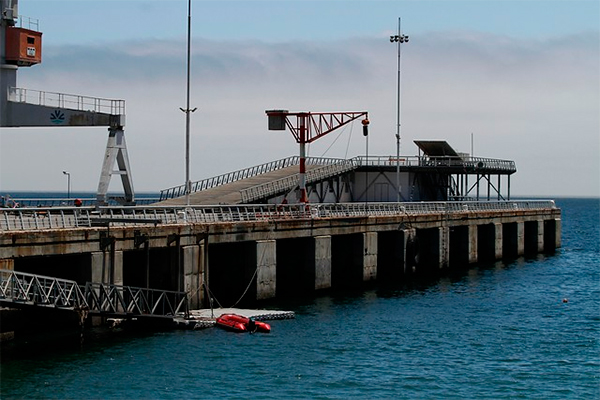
{"points": [[532, 101]]}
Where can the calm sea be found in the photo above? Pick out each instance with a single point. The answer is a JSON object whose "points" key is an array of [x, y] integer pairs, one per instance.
{"points": [[501, 331]]}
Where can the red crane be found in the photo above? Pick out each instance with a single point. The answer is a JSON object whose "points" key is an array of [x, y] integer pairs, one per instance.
{"points": [[308, 127]]}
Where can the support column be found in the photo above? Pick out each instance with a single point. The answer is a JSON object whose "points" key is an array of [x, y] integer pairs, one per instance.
{"points": [[107, 267], [410, 251], [116, 151], [558, 232], [191, 274], [370, 256], [118, 268], [473, 244], [203, 278], [322, 262], [266, 269], [540, 236], [498, 241], [444, 247], [520, 238], [7, 263]]}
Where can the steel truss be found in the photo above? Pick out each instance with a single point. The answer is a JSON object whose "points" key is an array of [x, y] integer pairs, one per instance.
{"points": [[456, 187], [22, 289]]}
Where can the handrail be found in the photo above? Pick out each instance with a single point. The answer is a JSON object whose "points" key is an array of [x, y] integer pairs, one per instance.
{"points": [[286, 184], [116, 299], [64, 202], [68, 101], [178, 191], [31, 219], [96, 298], [20, 287], [33, 24], [466, 162]]}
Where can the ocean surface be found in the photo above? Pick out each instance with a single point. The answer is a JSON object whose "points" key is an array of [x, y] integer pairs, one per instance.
{"points": [[528, 329]]}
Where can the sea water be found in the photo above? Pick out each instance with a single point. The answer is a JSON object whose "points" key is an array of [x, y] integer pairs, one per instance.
{"points": [[526, 329]]}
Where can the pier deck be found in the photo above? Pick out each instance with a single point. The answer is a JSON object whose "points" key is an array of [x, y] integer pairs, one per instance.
{"points": [[267, 251]]}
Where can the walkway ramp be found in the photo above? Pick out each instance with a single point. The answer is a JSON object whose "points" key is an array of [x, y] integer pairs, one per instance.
{"points": [[230, 193], [263, 186], [20, 289]]}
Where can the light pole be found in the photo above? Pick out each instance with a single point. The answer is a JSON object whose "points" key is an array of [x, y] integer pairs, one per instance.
{"points": [[399, 38], [68, 183], [187, 111]]}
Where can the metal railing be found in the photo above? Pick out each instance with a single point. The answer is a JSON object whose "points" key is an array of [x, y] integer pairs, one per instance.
{"points": [[68, 101], [68, 202], [288, 183], [33, 24], [178, 191], [27, 219], [466, 162], [20, 288], [29, 289], [128, 300]]}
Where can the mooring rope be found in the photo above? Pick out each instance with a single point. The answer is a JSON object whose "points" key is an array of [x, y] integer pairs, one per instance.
{"points": [[247, 287]]}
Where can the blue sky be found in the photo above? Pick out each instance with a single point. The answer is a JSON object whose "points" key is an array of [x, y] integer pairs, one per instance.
{"points": [[86, 21], [522, 76]]}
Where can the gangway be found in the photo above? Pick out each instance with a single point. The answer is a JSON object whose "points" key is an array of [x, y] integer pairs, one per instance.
{"points": [[20, 289], [246, 173], [288, 183]]}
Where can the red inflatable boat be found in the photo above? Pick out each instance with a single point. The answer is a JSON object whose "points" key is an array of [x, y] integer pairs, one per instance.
{"points": [[239, 323]]}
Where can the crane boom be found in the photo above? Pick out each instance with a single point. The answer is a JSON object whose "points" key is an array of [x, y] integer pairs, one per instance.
{"points": [[308, 127], [319, 124]]}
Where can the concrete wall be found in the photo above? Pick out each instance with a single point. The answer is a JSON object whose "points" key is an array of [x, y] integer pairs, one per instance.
{"points": [[243, 262], [322, 264], [370, 256], [266, 267]]}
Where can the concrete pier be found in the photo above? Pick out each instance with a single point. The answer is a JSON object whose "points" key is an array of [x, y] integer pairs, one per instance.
{"points": [[322, 265], [370, 256], [246, 261], [266, 267], [193, 261], [107, 267]]}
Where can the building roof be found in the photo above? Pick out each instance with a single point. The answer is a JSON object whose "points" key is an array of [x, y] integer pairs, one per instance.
{"points": [[436, 148]]}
